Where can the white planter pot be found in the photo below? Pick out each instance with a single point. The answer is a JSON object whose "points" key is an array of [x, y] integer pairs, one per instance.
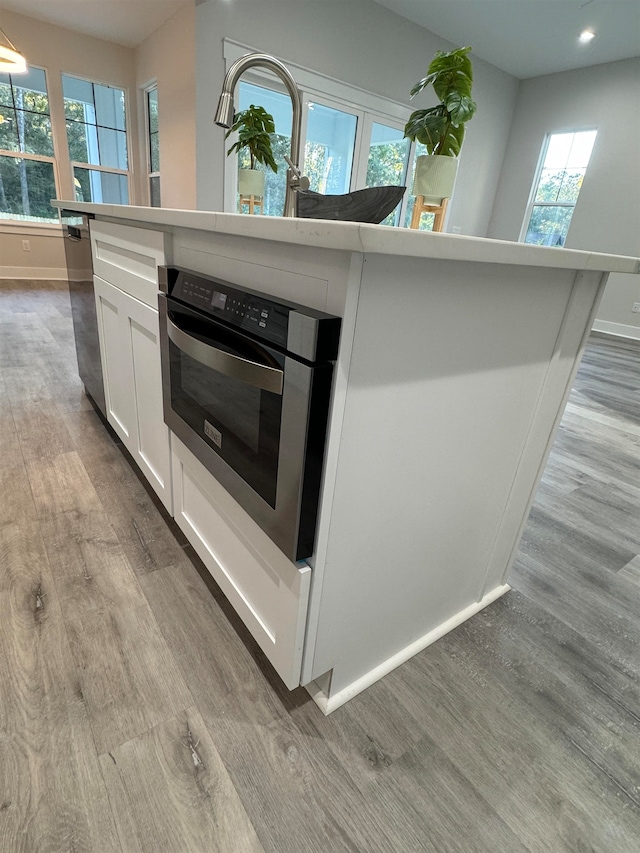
{"points": [[434, 177], [251, 182]]}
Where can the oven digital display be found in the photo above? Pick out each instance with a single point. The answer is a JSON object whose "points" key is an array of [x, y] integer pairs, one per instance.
{"points": [[218, 300], [195, 292]]}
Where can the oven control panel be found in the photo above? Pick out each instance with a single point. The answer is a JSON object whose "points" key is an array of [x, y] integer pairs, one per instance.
{"points": [[253, 313], [249, 312]]}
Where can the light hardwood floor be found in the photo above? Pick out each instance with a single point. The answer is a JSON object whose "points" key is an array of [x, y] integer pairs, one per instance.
{"points": [[137, 714]]}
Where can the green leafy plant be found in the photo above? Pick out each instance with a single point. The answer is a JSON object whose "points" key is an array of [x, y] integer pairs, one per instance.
{"points": [[253, 126], [441, 128]]}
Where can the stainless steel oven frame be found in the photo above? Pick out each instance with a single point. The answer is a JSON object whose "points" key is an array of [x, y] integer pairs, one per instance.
{"points": [[306, 393]]}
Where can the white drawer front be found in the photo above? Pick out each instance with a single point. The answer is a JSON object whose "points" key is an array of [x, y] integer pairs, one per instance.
{"points": [[129, 258], [269, 593]]}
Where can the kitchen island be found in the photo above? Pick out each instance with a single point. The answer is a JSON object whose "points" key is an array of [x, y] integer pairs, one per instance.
{"points": [[456, 358]]}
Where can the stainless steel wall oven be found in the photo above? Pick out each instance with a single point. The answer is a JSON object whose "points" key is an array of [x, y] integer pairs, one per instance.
{"points": [[247, 386]]}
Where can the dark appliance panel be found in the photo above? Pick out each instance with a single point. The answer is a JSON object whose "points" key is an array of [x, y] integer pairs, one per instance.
{"points": [[247, 384], [77, 246]]}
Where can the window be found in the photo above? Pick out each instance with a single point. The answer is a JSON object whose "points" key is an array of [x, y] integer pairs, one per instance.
{"points": [[97, 137], [333, 135], [387, 163], [279, 106], [27, 164], [329, 148], [153, 146], [563, 164]]}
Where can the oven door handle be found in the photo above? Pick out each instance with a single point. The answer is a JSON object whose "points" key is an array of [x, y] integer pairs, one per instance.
{"points": [[243, 369]]}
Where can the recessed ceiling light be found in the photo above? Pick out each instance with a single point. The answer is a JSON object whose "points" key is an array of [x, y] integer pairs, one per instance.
{"points": [[586, 36]]}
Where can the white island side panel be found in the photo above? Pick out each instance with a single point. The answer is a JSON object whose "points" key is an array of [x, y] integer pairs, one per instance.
{"points": [[448, 364]]}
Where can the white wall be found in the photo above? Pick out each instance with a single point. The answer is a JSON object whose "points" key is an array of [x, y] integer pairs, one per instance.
{"points": [[168, 57], [607, 215], [45, 256], [58, 50], [366, 45]]}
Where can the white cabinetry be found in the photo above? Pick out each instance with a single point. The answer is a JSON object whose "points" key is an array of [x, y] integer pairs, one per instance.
{"points": [[126, 305]]}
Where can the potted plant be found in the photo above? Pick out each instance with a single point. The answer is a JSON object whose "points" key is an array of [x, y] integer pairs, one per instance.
{"points": [[253, 127], [441, 128]]}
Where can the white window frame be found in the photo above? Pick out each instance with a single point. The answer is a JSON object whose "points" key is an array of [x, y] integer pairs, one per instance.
{"points": [[315, 87], [531, 203], [21, 219], [128, 173]]}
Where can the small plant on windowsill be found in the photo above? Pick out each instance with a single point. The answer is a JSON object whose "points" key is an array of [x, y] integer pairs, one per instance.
{"points": [[254, 127]]}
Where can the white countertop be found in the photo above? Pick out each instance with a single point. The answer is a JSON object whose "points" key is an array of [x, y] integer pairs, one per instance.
{"points": [[362, 238]]}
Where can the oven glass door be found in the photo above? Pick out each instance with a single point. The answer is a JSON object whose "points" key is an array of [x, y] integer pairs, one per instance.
{"points": [[228, 388]]}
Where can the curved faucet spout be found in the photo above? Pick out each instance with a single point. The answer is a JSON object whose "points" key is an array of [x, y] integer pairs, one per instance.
{"points": [[225, 112]]}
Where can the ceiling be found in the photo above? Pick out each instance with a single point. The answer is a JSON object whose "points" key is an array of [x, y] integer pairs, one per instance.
{"points": [[126, 22], [525, 38]]}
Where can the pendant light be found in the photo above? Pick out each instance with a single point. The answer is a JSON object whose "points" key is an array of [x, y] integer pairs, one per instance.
{"points": [[11, 61]]}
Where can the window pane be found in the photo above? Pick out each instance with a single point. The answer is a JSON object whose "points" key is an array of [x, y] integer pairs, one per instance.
{"points": [[112, 145], [83, 142], [100, 187], [25, 126], [31, 90], [26, 188], [35, 132], [6, 98], [581, 149], [95, 123], [559, 185], [549, 225], [109, 106], [279, 106], [387, 163], [570, 150], [154, 152], [558, 150], [78, 99], [154, 191], [154, 139], [328, 153], [8, 130], [152, 106], [565, 164]]}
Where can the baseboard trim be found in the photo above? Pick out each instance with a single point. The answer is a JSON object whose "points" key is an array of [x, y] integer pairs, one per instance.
{"points": [[620, 330], [329, 703], [34, 273]]}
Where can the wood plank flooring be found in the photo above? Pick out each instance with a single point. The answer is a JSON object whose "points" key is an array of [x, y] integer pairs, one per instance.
{"points": [[137, 713]]}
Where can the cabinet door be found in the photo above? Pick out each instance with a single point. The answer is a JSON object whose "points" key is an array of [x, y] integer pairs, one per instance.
{"points": [[130, 346], [150, 445], [117, 365]]}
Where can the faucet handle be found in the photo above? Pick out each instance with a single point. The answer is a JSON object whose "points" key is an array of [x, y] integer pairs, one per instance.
{"points": [[298, 181]]}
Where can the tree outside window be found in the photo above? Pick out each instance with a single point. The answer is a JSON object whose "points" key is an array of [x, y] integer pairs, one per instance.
{"points": [[563, 165], [27, 173]]}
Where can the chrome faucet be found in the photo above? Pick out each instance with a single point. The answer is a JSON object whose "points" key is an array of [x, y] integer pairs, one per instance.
{"points": [[225, 112]]}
